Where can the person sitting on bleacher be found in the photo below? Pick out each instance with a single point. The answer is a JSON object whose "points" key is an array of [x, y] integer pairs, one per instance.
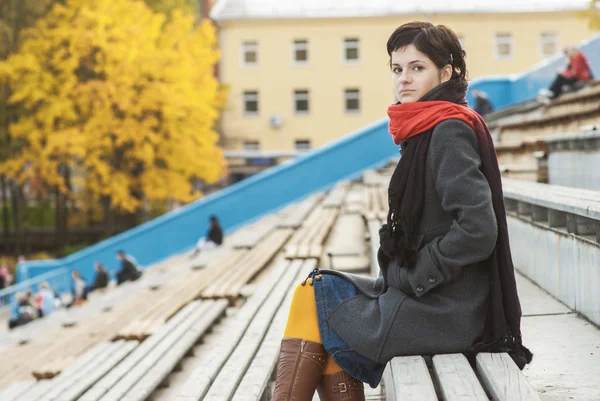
{"points": [[129, 271], [214, 238], [577, 73], [21, 310], [447, 282], [101, 280], [80, 289], [45, 300]]}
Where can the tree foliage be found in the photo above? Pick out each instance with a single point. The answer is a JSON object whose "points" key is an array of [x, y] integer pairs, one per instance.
{"points": [[592, 15], [120, 95]]}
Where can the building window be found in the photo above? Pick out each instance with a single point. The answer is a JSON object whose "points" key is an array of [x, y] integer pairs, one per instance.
{"points": [[251, 103], [300, 52], [352, 100], [301, 102], [504, 45], [249, 54], [548, 44], [302, 144], [251, 145], [351, 50]]}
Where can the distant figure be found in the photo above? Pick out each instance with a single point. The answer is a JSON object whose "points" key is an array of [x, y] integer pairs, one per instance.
{"points": [[214, 238], [101, 280], [129, 271], [45, 300], [21, 310], [577, 73], [80, 290], [483, 105], [5, 276]]}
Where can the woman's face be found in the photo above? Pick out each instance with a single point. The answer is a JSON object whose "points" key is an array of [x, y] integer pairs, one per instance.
{"points": [[414, 74]]}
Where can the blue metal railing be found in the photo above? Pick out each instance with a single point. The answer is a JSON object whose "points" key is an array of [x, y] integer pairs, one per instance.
{"points": [[238, 204], [59, 280]]}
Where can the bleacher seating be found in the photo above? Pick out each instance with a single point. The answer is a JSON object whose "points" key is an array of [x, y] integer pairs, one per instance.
{"points": [[131, 351]]}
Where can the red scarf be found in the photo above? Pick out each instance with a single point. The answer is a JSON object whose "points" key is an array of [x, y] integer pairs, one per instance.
{"points": [[411, 119]]}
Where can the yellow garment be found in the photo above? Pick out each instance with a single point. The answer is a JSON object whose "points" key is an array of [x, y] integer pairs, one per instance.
{"points": [[303, 321]]}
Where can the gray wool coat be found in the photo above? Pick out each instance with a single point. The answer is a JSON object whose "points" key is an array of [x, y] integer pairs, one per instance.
{"points": [[439, 305]]}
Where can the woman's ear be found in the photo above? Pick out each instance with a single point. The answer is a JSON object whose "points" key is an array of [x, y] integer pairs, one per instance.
{"points": [[446, 74]]}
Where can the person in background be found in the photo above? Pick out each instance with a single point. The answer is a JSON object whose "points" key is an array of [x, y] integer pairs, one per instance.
{"points": [[101, 280], [21, 310], [80, 290], [129, 271], [578, 71], [45, 300], [5, 276], [214, 238], [483, 105]]}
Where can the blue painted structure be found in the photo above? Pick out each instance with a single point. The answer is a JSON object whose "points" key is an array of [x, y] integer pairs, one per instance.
{"points": [[505, 91], [177, 231], [274, 188]]}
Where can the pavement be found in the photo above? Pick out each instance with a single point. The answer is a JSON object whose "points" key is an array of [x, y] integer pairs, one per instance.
{"points": [[566, 347]]}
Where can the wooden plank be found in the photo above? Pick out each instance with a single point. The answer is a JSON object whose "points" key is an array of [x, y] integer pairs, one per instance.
{"points": [[256, 378], [199, 382], [135, 373], [456, 378], [66, 377], [109, 380], [12, 392], [503, 379], [35, 390], [91, 376], [232, 372], [408, 379], [144, 387]]}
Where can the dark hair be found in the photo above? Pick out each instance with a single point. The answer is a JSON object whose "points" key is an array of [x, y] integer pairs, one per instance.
{"points": [[120, 252], [438, 42]]}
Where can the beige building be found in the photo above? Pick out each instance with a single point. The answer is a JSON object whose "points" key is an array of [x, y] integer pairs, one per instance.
{"points": [[304, 73]]}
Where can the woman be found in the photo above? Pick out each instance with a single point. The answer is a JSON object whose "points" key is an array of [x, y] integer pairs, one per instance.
{"points": [[447, 282]]}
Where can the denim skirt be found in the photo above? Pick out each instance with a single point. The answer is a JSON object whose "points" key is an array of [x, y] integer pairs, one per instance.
{"points": [[330, 292]]}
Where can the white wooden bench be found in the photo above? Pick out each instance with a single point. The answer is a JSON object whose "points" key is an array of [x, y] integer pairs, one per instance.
{"points": [[346, 248], [308, 240], [295, 214], [451, 378], [144, 369], [240, 364], [335, 197]]}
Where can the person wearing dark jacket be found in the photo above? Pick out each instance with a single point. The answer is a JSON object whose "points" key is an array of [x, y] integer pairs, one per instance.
{"points": [[447, 282], [128, 272], [214, 238], [483, 105], [101, 280]]}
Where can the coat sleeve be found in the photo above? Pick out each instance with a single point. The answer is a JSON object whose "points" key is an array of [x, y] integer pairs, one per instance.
{"points": [[453, 162]]}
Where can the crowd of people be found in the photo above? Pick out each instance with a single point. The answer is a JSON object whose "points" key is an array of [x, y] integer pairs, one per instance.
{"points": [[27, 306]]}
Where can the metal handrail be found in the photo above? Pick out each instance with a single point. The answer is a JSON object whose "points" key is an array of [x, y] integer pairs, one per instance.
{"points": [[58, 279]]}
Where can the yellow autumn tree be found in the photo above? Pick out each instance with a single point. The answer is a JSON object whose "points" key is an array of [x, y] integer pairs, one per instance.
{"points": [[124, 98], [592, 14]]}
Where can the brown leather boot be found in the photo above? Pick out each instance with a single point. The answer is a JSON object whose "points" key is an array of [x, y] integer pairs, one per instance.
{"points": [[299, 369], [340, 386]]}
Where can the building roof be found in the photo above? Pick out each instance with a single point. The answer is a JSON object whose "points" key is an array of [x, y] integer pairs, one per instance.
{"points": [[275, 9]]}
